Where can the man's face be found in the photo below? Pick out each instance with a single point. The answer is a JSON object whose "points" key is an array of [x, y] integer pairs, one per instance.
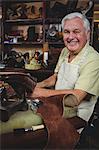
{"points": [[74, 35]]}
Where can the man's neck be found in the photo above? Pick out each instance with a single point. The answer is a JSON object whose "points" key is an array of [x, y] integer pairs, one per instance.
{"points": [[71, 57]]}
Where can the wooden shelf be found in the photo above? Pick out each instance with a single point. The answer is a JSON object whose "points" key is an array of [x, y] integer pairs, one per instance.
{"points": [[25, 21], [19, 43]]}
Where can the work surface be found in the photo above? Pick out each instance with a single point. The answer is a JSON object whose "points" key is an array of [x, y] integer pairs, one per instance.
{"points": [[57, 131]]}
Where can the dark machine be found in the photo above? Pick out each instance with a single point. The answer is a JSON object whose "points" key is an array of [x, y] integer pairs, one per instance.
{"points": [[13, 89]]}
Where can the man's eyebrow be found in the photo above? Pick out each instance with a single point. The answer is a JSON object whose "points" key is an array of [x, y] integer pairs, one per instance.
{"points": [[76, 29], [72, 30]]}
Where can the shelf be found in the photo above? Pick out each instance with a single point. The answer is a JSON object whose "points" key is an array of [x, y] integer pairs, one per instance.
{"points": [[33, 43], [25, 21], [35, 21], [21, 1], [21, 43]]}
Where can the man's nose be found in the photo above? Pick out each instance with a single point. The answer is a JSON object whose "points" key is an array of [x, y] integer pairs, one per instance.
{"points": [[71, 35]]}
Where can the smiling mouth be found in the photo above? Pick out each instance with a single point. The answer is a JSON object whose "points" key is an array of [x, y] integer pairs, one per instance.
{"points": [[72, 42]]}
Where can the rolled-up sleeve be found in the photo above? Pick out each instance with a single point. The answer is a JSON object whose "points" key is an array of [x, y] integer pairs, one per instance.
{"points": [[89, 77]]}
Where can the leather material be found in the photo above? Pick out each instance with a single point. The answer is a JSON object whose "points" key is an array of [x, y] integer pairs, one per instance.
{"points": [[61, 134]]}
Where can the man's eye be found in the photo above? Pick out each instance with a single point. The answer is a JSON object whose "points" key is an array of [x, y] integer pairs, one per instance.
{"points": [[66, 32], [76, 31]]}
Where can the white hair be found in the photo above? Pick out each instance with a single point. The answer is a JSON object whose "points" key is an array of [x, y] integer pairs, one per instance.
{"points": [[74, 15]]}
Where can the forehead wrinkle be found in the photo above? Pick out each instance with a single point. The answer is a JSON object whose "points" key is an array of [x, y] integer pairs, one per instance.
{"points": [[76, 23]]}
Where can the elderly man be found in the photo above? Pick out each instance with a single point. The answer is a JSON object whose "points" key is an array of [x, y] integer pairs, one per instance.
{"points": [[77, 70]]}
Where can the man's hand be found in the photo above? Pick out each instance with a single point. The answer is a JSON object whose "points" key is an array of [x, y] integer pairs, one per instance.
{"points": [[40, 92], [47, 82]]}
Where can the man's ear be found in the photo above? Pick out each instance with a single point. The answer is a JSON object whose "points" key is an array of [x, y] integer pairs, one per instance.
{"points": [[88, 35]]}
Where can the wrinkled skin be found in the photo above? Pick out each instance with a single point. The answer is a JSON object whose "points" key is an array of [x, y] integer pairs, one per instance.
{"points": [[75, 35]]}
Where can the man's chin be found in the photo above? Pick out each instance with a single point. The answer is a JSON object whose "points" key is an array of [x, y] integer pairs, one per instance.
{"points": [[72, 48]]}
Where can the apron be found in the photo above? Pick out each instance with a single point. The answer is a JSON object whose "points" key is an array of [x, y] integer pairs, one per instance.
{"points": [[69, 73], [67, 76]]}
